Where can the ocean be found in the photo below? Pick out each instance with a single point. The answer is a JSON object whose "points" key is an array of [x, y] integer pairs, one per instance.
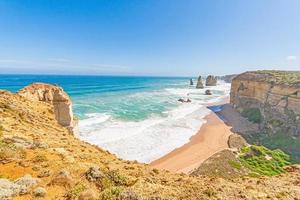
{"points": [[137, 118]]}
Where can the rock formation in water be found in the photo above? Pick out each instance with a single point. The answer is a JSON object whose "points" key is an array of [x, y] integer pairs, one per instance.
{"points": [[208, 92], [199, 83], [272, 100], [191, 82], [54, 95], [211, 80]]}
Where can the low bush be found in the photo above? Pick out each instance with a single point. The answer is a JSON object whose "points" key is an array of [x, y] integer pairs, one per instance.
{"points": [[264, 161], [75, 191], [111, 193], [252, 114]]}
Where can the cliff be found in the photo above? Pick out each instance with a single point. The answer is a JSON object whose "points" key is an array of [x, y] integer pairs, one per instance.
{"points": [[52, 94], [39, 159], [272, 100]]}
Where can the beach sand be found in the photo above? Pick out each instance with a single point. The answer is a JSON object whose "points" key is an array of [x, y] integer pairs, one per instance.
{"points": [[210, 139]]}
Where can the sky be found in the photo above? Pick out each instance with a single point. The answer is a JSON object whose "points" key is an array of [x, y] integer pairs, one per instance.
{"points": [[148, 37]]}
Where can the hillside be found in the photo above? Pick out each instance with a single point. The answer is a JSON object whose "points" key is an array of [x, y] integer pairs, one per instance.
{"points": [[42, 159]]}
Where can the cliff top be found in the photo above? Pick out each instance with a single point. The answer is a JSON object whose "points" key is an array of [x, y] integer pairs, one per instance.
{"points": [[291, 78]]}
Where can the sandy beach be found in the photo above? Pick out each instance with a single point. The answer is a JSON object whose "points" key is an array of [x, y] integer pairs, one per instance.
{"points": [[210, 139]]}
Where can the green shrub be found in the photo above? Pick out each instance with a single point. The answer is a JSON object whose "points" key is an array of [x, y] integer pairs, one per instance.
{"points": [[75, 191], [116, 177], [9, 151], [235, 164], [264, 161], [252, 114], [111, 193]]}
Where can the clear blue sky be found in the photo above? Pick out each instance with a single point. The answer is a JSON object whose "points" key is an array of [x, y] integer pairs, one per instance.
{"points": [[148, 37]]}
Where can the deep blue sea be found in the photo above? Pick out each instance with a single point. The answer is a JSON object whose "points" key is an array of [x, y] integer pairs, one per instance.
{"points": [[138, 118]]}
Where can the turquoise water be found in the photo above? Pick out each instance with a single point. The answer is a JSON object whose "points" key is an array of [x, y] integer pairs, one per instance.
{"points": [[137, 118], [127, 98]]}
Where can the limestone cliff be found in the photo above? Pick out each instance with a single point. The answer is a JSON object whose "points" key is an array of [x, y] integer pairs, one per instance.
{"points": [[272, 100], [54, 95]]}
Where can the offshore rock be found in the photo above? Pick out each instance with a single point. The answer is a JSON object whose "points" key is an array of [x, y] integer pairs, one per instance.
{"points": [[208, 92], [54, 95], [199, 83], [211, 80], [191, 82]]}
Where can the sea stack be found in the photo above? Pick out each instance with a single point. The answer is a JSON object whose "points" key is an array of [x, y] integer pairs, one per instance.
{"points": [[199, 83], [211, 80], [55, 95], [191, 82]]}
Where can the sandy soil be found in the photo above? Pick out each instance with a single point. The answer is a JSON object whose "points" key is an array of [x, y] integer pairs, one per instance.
{"points": [[211, 138]]}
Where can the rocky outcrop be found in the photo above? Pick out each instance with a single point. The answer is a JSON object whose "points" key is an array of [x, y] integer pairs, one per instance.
{"points": [[191, 82], [211, 80], [235, 141], [267, 99], [54, 95], [208, 92], [199, 83]]}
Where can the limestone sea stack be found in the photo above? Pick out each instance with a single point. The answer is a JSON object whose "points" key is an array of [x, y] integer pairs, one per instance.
{"points": [[199, 83], [211, 80], [54, 95], [191, 82]]}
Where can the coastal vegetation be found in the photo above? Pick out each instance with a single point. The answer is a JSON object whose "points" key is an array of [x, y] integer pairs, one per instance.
{"points": [[291, 78], [264, 161], [252, 114]]}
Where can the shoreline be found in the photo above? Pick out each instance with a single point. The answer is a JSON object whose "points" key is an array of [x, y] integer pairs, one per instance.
{"points": [[210, 139]]}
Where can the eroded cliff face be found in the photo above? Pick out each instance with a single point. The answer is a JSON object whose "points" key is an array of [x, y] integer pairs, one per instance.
{"points": [[272, 100], [54, 95], [278, 103]]}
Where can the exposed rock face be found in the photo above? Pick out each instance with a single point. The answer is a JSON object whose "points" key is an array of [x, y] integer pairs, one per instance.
{"points": [[211, 81], [199, 83], [236, 141], [270, 99], [54, 95], [277, 102], [191, 82]]}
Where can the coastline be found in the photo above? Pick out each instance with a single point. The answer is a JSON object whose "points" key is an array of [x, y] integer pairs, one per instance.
{"points": [[210, 139]]}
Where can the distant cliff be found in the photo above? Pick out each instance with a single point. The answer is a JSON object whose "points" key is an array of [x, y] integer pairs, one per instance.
{"points": [[272, 100], [227, 78]]}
